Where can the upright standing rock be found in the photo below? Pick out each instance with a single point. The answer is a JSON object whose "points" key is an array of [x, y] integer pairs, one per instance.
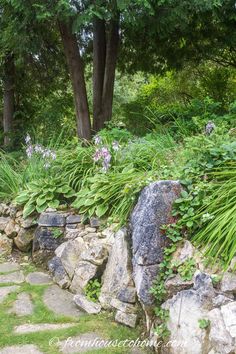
{"points": [[152, 211], [118, 274]]}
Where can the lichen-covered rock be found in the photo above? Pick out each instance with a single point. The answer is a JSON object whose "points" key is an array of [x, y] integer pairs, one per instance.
{"points": [[69, 254], [175, 284], [23, 240], [122, 306], [3, 222], [229, 315], [96, 254], [219, 337], [58, 273], [5, 245], [86, 305], [186, 309], [127, 294], [12, 229], [118, 273], [228, 283], [152, 211], [128, 319], [84, 272]]}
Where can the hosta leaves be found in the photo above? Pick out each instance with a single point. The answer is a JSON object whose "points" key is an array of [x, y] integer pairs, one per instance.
{"points": [[101, 210], [28, 209]]}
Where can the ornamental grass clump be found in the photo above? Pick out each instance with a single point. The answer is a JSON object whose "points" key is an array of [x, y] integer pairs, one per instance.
{"points": [[217, 232]]}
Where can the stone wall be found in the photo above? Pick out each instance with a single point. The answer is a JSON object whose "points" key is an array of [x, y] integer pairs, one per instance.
{"points": [[202, 312]]}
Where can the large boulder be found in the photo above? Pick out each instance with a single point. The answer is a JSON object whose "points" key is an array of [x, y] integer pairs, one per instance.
{"points": [[118, 273], [152, 211]]}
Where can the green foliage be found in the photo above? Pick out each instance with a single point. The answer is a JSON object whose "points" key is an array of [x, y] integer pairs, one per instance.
{"points": [[44, 193], [204, 323], [93, 289], [112, 194], [187, 269], [76, 164], [217, 217], [10, 178], [56, 232]]}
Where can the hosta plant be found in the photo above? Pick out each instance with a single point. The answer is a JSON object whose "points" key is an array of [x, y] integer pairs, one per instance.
{"points": [[45, 193]]}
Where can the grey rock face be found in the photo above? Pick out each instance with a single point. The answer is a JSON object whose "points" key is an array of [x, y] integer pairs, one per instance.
{"points": [[52, 219], [175, 284], [94, 222], [84, 272], [45, 240], [152, 211], [127, 319], [73, 219], [58, 273], [86, 305], [219, 337], [127, 295], [228, 283], [118, 274]]}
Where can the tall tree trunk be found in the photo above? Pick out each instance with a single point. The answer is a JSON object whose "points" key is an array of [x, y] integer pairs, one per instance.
{"points": [[76, 69], [99, 58], [8, 98], [110, 69], [104, 61]]}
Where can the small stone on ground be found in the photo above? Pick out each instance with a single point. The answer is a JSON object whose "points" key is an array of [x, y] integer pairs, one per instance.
{"points": [[9, 267], [16, 277], [23, 349], [39, 278], [32, 328], [61, 302], [23, 305], [82, 343], [6, 290]]}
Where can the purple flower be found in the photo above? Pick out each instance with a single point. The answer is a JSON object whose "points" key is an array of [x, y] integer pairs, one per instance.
{"points": [[97, 140], [29, 151], [27, 139], [38, 148], [115, 145], [97, 155]]}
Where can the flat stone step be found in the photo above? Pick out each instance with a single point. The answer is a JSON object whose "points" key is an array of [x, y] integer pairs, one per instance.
{"points": [[16, 277], [61, 302], [21, 349], [82, 343], [6, 290], [40, 327], [9, 267], [23, 305], [39, 278]]}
